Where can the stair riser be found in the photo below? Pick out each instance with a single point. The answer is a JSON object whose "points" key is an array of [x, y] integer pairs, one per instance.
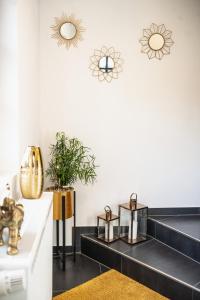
{"points": [[102, 254], [174, 239], [156, 281], [140, 272]]}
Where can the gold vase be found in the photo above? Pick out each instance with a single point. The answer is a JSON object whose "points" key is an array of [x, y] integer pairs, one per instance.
{"points": [[31, 173]]}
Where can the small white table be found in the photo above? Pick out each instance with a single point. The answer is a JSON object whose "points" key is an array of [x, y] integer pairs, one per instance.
{"points": [[35, 251]]}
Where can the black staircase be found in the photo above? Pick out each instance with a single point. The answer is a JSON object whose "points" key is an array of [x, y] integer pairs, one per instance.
{"points": [[168, 262]]}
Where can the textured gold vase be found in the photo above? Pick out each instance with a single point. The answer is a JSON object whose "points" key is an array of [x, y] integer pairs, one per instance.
{"points": [[31, 173]]}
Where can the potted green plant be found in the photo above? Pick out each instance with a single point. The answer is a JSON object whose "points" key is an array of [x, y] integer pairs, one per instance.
{"points": [[70, 162]]}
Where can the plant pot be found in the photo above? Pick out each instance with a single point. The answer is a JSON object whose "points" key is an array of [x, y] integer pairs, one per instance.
{"points": [[57, 202]]}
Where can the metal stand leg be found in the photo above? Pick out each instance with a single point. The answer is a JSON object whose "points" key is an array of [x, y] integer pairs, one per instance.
{"points": [[63, 223], [119, 230], [61, 254], [57, 237], [74, 241]]}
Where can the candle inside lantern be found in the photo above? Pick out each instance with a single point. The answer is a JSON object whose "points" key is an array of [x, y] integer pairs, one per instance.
{"points": [[132, 229], [109, 235]]}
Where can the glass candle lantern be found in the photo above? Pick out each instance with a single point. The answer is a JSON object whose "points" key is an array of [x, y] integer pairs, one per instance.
{"points": [[133, 221], [108, 226]]}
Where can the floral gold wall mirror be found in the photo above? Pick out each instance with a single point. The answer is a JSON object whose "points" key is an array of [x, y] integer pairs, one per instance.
{"points": [[156, 41], [106, 64], [67, 30]]}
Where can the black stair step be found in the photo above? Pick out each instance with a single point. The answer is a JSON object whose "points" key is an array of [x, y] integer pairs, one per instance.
{"points": [[152, 263], [180, 232]]}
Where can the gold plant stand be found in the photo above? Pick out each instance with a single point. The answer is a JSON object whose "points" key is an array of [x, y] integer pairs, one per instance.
{"points": [[62, 210]]}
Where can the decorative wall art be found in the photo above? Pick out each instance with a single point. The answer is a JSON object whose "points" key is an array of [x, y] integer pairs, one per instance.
{"points": [[67, 30], [156, 41], [106, 64]]}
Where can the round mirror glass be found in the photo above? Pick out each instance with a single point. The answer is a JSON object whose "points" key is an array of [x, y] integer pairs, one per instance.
{"points": [[156, 41], [106, 64], [68, 31]]}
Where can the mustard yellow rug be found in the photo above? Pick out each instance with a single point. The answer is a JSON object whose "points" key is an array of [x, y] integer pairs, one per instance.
{"points": [[111, 285]]}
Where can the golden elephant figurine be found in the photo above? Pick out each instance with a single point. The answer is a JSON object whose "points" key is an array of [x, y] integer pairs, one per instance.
{"points": [[11, 216]]}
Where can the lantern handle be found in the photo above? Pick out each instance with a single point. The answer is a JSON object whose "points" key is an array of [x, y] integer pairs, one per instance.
{"points": [[133, 201], [132, 196], [107, 208], [108, 212]]}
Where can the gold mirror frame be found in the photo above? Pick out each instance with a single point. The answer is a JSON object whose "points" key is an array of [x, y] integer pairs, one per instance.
{"points": [[61, 40], [68, 31], [100, 73], [156, 41]]}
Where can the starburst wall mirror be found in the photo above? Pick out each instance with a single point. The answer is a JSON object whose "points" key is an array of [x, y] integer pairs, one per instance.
{"points": [[156, 41], [67, 30]]}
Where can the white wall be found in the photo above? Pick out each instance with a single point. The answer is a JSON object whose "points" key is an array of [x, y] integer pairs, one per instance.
{"points": [[28, 72], [19, 80], [144, 127], [9, 136]]}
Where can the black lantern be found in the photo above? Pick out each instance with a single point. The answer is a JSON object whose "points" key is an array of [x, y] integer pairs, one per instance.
{"points": [[108, 226], [133, 221]]}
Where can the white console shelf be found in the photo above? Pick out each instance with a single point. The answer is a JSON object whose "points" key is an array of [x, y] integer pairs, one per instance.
{"points": [[35, 251]]}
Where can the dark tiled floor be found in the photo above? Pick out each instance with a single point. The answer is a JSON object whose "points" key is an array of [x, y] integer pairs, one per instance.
{"points": [[119, 245], [198, 285], [196, 295], [166, 286], [152, 254], [101, 252], [152, 263], [179, 235], [167, 260], [76, 273], [189, 225]]}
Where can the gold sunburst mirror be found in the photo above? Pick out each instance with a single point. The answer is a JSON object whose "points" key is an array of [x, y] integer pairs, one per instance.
{"points": [[156, 41], [67, 30], [106, 64]]}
